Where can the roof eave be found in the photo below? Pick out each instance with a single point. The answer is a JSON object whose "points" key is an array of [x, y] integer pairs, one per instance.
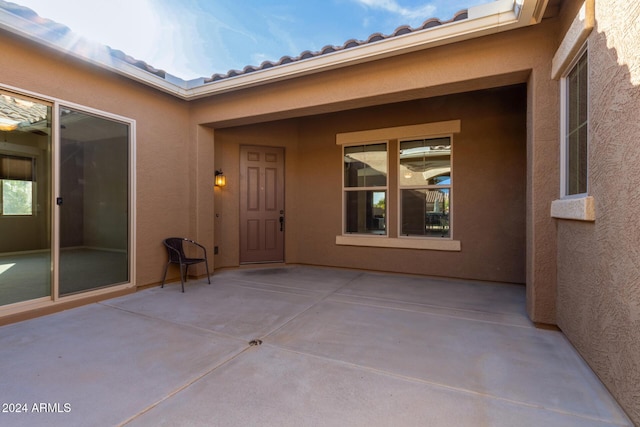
{"points": [[491, 18]]}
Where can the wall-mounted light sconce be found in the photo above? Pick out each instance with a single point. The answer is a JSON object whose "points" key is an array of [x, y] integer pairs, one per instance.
{"points": [[220, 180]]}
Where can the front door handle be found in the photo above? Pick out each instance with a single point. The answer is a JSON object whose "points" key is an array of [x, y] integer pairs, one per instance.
{"points": [[281, 223]]}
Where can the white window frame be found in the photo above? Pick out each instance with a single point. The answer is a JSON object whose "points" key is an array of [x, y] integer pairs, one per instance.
{"points": [[578, 206], [449, 187], [575, 43], [420, 131], [346, 189], [564, 127]]}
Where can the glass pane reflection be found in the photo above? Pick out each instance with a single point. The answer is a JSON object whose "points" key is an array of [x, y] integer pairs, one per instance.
{"points": [[365, 165], [426, 212], [577, 124], [366, 212], [425, 162], [94, 214]]}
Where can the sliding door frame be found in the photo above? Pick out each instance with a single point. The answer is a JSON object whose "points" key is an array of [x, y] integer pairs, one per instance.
{"points": [[56, 299], [57, 192]]}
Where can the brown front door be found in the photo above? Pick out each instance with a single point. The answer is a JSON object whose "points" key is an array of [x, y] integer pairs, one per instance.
{"points": [[261, 204]]}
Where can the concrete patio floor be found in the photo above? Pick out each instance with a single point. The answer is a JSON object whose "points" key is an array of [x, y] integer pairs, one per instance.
{"points": [[339, 348]]}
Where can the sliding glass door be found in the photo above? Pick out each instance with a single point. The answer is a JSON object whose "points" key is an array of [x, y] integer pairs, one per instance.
{"points": [[93, 202], [66, 210]]}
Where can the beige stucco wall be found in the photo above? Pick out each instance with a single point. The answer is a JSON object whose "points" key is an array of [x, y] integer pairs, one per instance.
{"points": [[165, 149], [599, 262]]}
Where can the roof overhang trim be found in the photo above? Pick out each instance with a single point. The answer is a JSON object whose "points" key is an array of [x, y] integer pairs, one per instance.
{"points": [[490, 18]]}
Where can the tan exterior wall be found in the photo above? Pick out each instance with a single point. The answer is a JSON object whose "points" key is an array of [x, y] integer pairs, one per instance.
{"points": [[165, 149], [599, 262], [542, 184]]}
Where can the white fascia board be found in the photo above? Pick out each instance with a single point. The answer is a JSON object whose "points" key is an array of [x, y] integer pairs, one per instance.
{"points": [[490, 18], [531, 11]]}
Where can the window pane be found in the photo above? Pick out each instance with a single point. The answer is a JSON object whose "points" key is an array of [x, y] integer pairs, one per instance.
{"points": [[425, 212], [17, 197], [425, 162], [582, 90], [577, 168], [366, 212], [365, 166], [573, 101], [94, 213], [577, 125], [18, 168]]}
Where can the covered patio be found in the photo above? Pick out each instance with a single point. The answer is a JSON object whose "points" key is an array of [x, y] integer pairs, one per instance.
{"points": [[300, 345]]}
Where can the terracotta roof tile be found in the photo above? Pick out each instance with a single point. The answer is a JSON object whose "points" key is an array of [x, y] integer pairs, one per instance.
{"points": [[375, 37], [52, 28], [136, 62]]}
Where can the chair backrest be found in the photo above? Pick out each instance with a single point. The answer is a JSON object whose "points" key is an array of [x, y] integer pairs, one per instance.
{"points": [[174, 248]]}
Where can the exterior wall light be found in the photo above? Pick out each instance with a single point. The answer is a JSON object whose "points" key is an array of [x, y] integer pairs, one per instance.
{"points": [[220, 180]]}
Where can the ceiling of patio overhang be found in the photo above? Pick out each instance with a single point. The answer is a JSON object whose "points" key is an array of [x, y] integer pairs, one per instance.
{"points": [[491, 18]]}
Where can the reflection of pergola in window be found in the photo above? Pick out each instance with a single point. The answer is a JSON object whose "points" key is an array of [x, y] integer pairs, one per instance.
{"points": [[22, 115], [422, 164], [436, 198], [370, 163], [437, 214]]}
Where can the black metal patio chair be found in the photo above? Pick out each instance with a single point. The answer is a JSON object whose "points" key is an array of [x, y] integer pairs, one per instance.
{"points": [[176, 251]]}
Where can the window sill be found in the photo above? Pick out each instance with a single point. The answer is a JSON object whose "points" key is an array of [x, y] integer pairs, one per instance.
{"points": [[400, 243], [579, 209]]}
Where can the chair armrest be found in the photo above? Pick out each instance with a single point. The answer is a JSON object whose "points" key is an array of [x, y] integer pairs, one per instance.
{"points": [[199, 245]]}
